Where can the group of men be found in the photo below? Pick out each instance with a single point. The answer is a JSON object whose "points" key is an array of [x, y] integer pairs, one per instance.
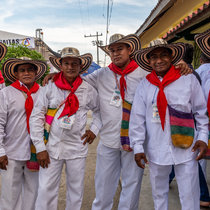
{"points": [[157, 118]]}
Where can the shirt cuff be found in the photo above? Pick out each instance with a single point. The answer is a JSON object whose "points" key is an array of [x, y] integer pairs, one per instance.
{"points": [[94, 129], [138, 149], [40, 146], [203, 137], [2, 152]]}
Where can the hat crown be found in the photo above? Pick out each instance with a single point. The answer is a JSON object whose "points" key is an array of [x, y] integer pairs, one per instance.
{"points": [[115, 37], [69, 51], [157, 42]]}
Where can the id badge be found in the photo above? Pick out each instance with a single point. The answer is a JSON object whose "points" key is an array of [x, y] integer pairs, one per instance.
{"points": [[116, 99], [155, 114], [67, 122]]}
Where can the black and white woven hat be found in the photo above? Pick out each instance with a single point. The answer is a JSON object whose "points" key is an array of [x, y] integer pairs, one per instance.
{"points": [[132, 40], [203, 42], [141, 56], [86, 59], [3, 50], [10, 64]]}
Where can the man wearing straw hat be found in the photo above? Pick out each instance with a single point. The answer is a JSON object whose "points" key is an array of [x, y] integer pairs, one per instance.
{"points": [[19, 184], [166, 110], [3, 51], [203, 42], [69, 98]]}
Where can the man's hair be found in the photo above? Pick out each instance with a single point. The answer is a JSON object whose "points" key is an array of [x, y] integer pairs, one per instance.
{"points": [[168, 49], [16, 67], [204, 58], [188, 55]]}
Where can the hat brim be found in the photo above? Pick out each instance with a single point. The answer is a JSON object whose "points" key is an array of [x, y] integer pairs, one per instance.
{"points": [[140, 56], [203, 42], [9, 67], [132, 40], [86, 60], [3, 50]]}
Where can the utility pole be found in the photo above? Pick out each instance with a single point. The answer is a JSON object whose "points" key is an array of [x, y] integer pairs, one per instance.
{"points": [[97, 43]]}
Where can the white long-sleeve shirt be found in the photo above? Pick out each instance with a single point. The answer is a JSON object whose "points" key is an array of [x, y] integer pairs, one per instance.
{"points": [[14, 137], [64, 143], [111, 116], [184, 94], [204, 73]]}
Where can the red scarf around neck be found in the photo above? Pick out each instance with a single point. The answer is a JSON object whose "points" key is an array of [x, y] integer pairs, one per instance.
{"points": [[71, 102], [1, 78], [29, 100], [172, 75], [129, 68]]}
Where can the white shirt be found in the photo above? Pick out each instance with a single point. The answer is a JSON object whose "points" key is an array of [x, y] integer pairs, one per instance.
{"points": [[184, 94], [2, 85], [14, 137], [104, 81], [204, 73], [64, 143]]}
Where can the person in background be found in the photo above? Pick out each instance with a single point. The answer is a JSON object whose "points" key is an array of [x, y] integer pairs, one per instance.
{"points": [[19, 184]]}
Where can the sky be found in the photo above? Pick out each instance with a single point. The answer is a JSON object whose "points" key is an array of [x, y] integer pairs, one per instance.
{"points": [[65, 22]]}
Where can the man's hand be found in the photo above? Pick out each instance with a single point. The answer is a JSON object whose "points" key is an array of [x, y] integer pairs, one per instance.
{"points": [[47, 78], [89, 136], [3, 162], [43, 159], [184, 68], [139, 157], [202, 147]]}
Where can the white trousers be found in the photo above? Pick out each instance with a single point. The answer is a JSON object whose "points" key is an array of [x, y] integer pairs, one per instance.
{"points": [[188, 185], [110, 165], [19, 187], [49, 181]]}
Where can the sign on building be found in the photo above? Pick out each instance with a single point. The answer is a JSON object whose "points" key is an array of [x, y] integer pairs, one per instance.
{"points": [[28, 42]]}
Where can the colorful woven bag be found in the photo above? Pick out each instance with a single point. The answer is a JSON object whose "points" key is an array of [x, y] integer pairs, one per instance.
{"points": [[125, 141], [182, 128], [32, 164]]}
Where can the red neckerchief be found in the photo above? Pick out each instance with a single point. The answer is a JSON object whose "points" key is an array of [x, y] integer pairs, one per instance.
{"points": [[1, 78], [71, 102], [172, 75], [129, 68], [29, 103]]}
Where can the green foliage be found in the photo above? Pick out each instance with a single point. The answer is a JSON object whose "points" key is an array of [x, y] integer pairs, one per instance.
{"points": [[17, 51]]}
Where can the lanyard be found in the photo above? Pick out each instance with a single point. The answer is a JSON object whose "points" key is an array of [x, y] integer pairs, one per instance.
{"points": [[116, 80]]}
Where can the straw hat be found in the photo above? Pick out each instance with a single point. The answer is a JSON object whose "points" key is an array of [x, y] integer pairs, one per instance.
{"points": [[3, 50], [141, 56], [132, 40], [203, 42], [71, 52], [10, 64]]}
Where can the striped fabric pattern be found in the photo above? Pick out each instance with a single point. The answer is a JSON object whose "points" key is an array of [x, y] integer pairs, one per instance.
{"points": [[32, 164], [182, 128], [125, 142]]}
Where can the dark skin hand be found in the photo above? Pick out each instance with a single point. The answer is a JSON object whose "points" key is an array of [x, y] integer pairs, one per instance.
{"points": [[47, 78], [184, 68], [3, 162], [202, 147], [89, 136], [43, 159], [139, 157]]}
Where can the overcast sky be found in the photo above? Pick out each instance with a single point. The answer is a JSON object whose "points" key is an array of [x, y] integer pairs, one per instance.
{"points": [[65, 22]]}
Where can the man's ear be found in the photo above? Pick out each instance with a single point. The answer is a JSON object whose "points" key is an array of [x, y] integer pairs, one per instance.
{"points": [[16, 74], [129, 50], [60, 67]]}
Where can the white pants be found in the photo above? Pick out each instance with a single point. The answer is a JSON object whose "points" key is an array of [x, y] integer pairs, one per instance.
{"points": [[188, 185], [19, 187], [203, 164], [110, 164], [49, 180]]}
